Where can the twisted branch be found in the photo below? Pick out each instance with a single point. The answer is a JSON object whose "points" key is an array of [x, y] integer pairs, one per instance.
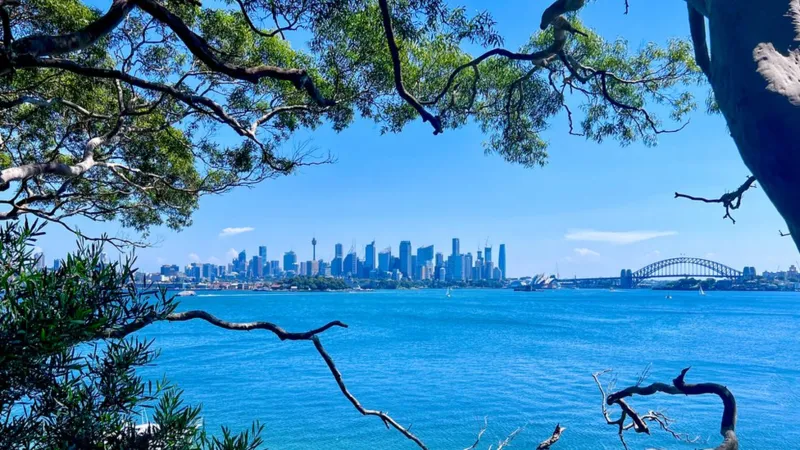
{"points": [[730, 200], [678, 387]]}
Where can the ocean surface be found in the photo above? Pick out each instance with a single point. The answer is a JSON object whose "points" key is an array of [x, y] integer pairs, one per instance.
{"points": [[517, 359]]}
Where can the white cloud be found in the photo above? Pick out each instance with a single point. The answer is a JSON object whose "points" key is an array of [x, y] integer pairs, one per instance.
{"points": [[586, 252], [232, 253], [615, 237], [214, 260], [194, 257], [232, 231]]}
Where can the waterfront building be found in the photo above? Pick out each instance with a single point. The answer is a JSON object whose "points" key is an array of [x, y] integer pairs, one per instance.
{"points": [[257, 267], [501, 262], [350, 267], [370, 257], [405, 259], [385, 260], [290, 262], [336, 266], [497, 274], [168, 270]]}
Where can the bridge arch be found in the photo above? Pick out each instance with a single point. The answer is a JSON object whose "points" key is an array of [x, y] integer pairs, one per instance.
{"points": [[685, 267]]}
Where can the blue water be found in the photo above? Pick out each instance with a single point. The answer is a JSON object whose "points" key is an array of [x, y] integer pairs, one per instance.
{"points": [[515, 358]]}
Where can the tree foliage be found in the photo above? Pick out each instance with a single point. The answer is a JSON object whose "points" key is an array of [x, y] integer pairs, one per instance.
{"points": [[132, 113], [65, 382]]}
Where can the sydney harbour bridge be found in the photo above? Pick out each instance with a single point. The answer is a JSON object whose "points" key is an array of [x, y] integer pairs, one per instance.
{"points": [[682, 267]]}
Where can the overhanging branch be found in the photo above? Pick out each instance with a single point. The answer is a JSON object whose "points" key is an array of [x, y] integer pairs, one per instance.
{"points": [[730, 200]]}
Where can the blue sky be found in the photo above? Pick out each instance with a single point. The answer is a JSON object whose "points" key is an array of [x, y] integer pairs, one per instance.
{"points": [[593, 210]]}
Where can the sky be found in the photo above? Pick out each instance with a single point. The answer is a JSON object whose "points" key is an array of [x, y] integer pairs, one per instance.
{"points": [[591, 211]]}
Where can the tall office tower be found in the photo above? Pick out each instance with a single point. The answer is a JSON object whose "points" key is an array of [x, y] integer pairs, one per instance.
{"points": [[370, 257], [385, 260], [339, 251], [241, 262], [501, 261], [350, 266], [221, 271], [336, 266], [262, 252], [257, 267], [405, 259], [440, 259], [468, 266], [290, 262], [488, 254], [303, 268], [314, 246], [425, 255], [275, 267], [456, 247]]}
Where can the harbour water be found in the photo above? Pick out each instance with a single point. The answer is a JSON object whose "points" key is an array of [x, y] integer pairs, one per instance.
{"points": [[441, 365]]}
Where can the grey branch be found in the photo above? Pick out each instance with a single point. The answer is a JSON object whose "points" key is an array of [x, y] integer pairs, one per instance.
{"points": [[387, 420]]}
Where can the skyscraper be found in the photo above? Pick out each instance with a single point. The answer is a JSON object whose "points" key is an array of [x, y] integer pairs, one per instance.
{"points": [[314, 246], [257, 267], [468, 266], [350, 266], [241, 262], [290, 262], [385, 260], [262, 252], [456, 247], [405, 259], [339, 251], [369, 257], [488, 254], [501, 261]]}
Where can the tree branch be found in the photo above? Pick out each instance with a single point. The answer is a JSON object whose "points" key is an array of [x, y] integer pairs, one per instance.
{"points": [[387, 420], [398, 75], [544, 445], [678, 387], [730, 200]]}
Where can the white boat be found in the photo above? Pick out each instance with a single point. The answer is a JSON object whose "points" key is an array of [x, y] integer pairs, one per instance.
{"points": [[449, 293], [702, 292], [186, 294], [668, 297]]}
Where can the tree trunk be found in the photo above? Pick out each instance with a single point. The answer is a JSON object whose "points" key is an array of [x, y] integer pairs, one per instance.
{"points": [[755, 74]]}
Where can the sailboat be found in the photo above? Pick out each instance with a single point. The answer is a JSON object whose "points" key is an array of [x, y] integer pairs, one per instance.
{"points": [[702, 292], [449, 293]]}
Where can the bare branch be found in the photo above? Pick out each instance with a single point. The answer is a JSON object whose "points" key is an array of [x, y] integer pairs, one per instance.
{"points": [[480, 435], [678, 387], [213, 320], [387, 420], [730, 200], [544, 445]]}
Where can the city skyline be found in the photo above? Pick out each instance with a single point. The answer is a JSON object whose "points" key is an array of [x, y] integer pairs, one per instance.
{"points": [[424, 264]]}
